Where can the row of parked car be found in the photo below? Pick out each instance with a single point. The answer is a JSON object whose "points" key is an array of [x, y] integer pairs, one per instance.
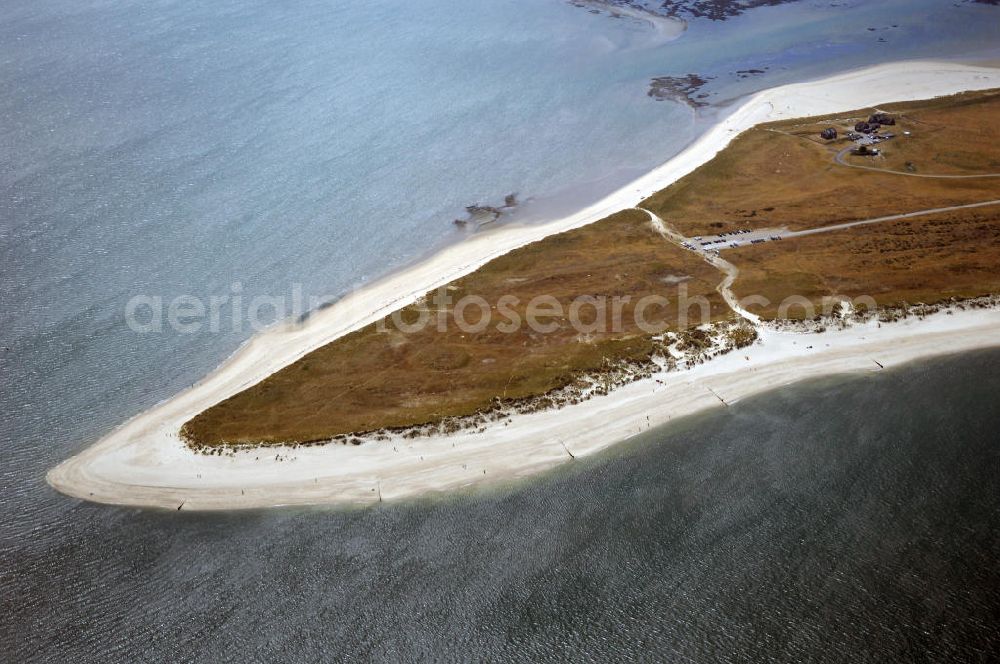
{"points": [[708, 243]]}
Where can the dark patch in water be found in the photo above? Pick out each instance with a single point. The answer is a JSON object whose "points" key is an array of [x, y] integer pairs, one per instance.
{"points": [[716, 10], [681, 88], [478, 215]]}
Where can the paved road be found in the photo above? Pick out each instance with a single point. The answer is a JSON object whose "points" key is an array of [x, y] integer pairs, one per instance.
{"points": [[891, 217], [708, 247], [712, 244]]}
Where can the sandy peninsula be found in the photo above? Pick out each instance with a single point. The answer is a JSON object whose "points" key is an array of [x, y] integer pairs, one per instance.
{"points": [[144, 462]]}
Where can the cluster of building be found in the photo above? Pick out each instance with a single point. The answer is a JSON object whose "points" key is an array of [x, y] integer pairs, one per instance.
{"points": [[874, 123], [865, 134], [863, 128]]}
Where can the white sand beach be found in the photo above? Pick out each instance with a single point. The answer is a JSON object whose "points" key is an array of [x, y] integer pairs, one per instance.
{"points": [[144, 463]]}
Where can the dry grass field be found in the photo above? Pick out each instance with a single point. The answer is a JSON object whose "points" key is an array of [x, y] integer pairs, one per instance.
{"points": [[920, 260], [371, 380], [948, 136], [775, 175], [784, 175], [923, 259]]}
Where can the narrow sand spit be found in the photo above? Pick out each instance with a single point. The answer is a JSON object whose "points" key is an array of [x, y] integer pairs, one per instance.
{"points": [[144, 463]]}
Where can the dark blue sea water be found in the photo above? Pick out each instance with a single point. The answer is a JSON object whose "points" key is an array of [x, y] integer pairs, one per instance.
{"points": [[168, 147], [801, 525]]}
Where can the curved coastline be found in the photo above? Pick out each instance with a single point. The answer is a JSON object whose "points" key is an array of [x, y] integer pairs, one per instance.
{"points": [[144, 463]]}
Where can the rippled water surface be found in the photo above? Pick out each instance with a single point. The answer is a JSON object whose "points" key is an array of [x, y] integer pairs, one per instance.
{"points": [[169, 147], [801, 525]]}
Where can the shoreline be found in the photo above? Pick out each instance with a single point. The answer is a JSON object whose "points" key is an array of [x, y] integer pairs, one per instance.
{"points": [[144, 463]]}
